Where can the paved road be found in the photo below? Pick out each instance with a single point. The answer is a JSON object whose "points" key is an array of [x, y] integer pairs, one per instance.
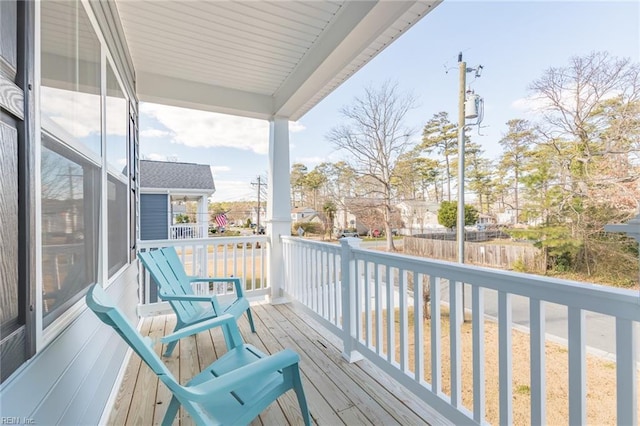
{"points": [[599, 329]]}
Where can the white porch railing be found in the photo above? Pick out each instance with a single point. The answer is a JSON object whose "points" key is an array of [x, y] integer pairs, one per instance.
{"points": [[185, 231], [382, 283], [243, 257]]}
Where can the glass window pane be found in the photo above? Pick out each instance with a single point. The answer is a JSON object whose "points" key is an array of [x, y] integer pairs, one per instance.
{"points": [[118, 230], [70, 91], [116, 120], [70, 207]]}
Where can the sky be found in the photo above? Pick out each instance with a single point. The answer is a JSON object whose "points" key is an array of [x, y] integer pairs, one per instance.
{"points": [[514, 41]]}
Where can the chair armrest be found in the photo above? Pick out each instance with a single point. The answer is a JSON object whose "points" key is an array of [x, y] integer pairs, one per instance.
{"points": [[189, 297], [241, 376], [222, 320]]}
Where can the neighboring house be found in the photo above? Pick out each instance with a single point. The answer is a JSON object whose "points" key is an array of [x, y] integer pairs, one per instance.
{"points": [[165, 189], [418, 216], [507, 217], [362, 214], [302, 214], [258, 216], [486, 219]]}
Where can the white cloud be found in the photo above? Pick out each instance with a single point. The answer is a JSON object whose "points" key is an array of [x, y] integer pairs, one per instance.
{"points": [[154, 133], [296, 126], [154, 156], [76, 112], [530, 104], [233, 190], [310, 161], [220, 169], [207, 129]]}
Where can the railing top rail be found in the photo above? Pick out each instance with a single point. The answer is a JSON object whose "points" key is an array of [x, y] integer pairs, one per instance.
{"points": [[612, 301], [145, 244], [593, 297], [308, 243]]}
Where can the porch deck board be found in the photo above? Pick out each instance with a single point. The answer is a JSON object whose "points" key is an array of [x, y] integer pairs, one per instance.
{"points": [[337, 392]]}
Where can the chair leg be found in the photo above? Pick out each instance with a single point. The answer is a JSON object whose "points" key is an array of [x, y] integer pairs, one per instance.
{"points": [[227, 337], [170, 347], [172, 410], [253, 328], [302, 400]]}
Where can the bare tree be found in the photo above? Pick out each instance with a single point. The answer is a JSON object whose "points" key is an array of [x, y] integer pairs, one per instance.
{"points": [[591, 122], [375, 136]]}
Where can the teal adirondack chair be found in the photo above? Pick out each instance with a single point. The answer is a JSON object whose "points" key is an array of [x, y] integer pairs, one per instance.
{"points": [[233, 390], [174, 286]]}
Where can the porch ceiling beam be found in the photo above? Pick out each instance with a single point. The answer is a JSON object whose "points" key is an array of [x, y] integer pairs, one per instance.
{"points": [[357, 27], [174, 91]]}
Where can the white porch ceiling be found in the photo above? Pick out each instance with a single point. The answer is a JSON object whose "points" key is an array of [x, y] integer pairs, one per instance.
{"points": [[257, 58]]}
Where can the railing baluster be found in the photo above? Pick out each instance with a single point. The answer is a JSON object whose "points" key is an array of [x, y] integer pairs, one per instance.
{"points": [[337, 294], [308, 276], [215, 259], [436, 333], [391, 332], [577, 368], [355, 303], [367, 304], [477, 307], [504, 357], [225, 261], [404, 327], [455, 357], [325, 283], [418, 327], [313, 269], [379, 319], [626, 372], [234, 256], [538, 369], [244, 268], [263, 264]]}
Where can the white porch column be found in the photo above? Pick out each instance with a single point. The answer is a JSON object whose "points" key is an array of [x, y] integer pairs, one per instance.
{"points": [[278, 204], [203, 216]]}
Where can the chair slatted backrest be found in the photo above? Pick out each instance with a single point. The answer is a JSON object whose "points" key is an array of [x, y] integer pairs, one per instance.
{"points": [[108, 313], [169, 262], [169, 282]]}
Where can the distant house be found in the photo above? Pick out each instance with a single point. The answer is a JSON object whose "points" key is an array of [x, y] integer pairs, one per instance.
{"points": [[165, 190], [486, 219], [302, 214], [418, 216], [259, 217], [359, 213]]}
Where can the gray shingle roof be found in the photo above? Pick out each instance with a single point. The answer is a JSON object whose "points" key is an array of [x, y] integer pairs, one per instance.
{"points": [[173, 175]]}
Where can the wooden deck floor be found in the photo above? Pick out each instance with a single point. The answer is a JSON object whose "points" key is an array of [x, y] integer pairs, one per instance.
{"points": [[337, 392]]}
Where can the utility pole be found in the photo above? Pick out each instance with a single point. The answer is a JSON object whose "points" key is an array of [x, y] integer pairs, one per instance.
{"points": [[259, 184], [463, 70], [461, 123]]}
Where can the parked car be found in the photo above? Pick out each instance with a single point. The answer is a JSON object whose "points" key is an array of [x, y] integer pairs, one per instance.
{"points": [[342, 233]]}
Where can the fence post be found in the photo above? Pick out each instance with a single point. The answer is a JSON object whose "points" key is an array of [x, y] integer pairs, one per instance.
{"points": [[347, 290]]}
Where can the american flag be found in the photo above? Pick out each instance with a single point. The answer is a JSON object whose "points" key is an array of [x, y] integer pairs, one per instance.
{"points": [[221, 219]]}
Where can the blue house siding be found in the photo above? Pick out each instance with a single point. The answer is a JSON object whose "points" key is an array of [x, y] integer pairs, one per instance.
{"points": [[70, 381], [154, 213]]}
